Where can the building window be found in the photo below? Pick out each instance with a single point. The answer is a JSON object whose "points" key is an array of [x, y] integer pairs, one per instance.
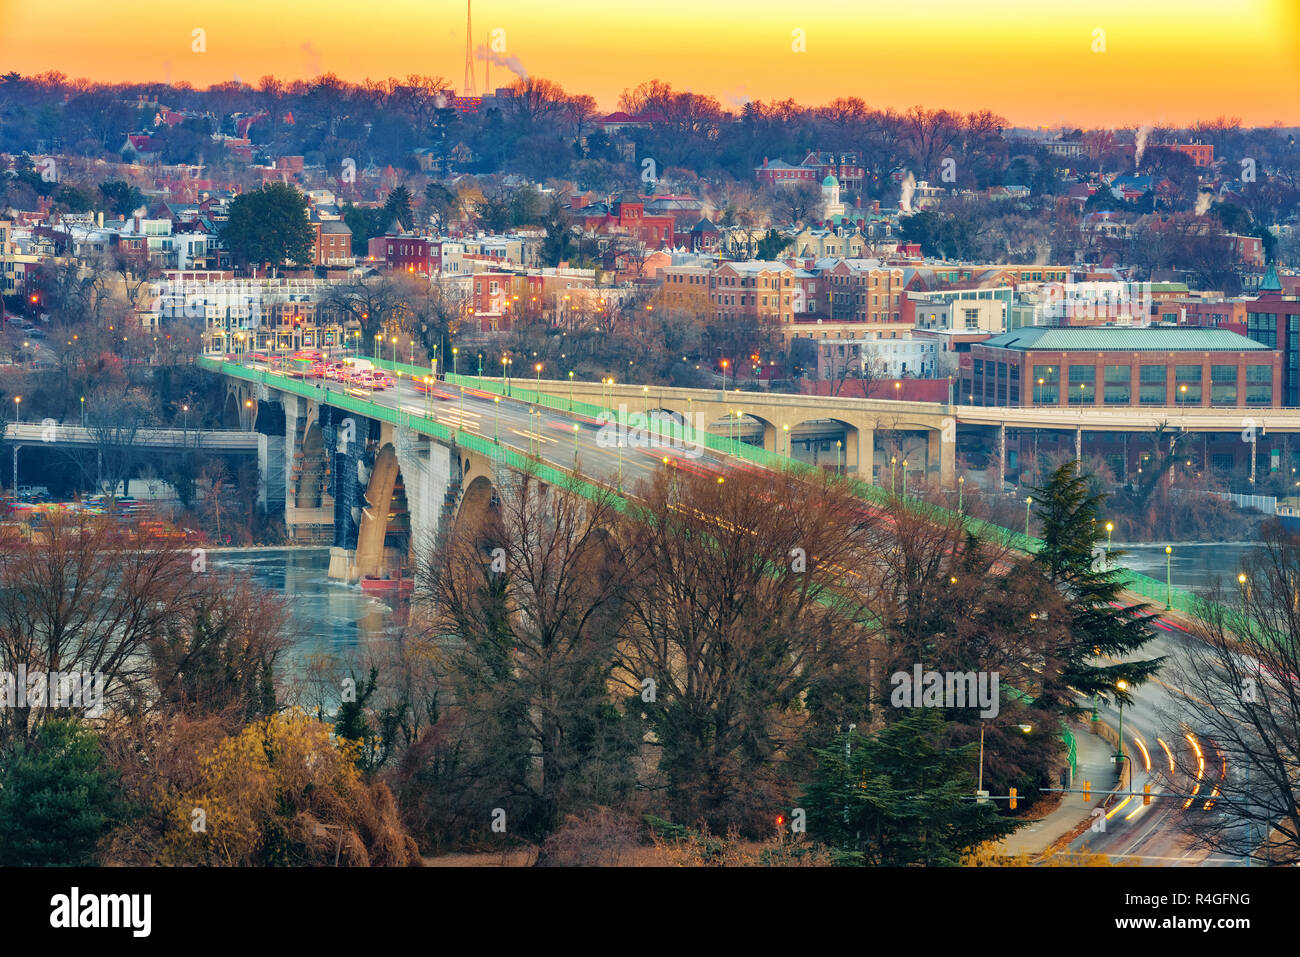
{"points": [[1223, 385]]}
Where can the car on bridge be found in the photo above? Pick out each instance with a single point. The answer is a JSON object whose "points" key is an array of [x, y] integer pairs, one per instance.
{"points": [[430, 386]]}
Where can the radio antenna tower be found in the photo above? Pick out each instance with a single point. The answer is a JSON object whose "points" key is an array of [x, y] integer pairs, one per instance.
{"points": [[469, 48]]}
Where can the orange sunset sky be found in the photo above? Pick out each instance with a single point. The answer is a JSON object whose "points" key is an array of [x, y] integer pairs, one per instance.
{"points": [[1166, 61]]}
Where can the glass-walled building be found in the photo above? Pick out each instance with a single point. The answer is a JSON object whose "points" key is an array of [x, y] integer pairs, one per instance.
{"points": [[1274, 321]]}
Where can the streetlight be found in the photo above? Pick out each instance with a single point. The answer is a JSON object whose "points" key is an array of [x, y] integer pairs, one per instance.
{"points": [[1121, 686], [786, 429], [1038, 398], [83, 411], [455, 351], [575, 446], [570, 390], [839, 446], [1110, 527], [1245, 590], [1169, 577], [961, 487], [904, 478], [18, 409], [979, 786], [1029, 500], [893, 461], [496, 419], [184, 408], [538, 369]]}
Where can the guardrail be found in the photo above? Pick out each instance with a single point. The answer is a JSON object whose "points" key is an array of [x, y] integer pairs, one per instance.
{"points": [[210, 439]]}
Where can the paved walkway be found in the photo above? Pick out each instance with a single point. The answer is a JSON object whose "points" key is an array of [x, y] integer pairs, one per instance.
{"points": [[1093, 755]]}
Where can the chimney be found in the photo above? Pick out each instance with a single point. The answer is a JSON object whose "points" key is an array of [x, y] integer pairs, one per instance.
{"points": [[99, 219], [764, 162]]}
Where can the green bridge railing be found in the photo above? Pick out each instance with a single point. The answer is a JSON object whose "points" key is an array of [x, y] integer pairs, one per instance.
{"points": [[1178, 598], [673, 433]]}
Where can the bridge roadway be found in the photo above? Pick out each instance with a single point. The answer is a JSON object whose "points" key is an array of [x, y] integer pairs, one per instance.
{"points": [[559, 438], [209, 440]]}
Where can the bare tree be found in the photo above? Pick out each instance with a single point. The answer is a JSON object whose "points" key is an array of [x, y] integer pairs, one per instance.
{"points": [[87, 598], [1241, 699]]}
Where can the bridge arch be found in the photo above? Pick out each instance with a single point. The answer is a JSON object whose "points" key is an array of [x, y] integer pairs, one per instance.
{"points": [[378, 537], [230, 412], [478, 502], [851, 456]]}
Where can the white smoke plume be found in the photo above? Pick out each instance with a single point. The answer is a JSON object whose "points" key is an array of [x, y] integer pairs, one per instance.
{"points": [[909, 187], [1203, 201], [1140, 145], [509, 62]]}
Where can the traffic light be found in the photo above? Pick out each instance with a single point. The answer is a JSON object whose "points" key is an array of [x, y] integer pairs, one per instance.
{"points": [[1087, 791], [1013, 799], [1146, 794]]}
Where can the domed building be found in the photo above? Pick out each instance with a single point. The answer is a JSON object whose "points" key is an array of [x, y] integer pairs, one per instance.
{"points": [[831, 205]]}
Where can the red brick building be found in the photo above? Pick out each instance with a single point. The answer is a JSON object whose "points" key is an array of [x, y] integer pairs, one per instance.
{"points": [[1071, 366], [628, 216], [407, 253], [333, 243]]}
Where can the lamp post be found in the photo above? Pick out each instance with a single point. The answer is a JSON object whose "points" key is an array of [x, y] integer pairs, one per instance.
{"points": [[83, 411], [538, 369], [480, 370], [786, 429], [961, 487], [184, 408], [839, 448], [1029, 500], [893, 462], [379, 338], [724, 365], [1121, 686], [1169, 576], [496, 419], [455, 353], [1038, 395], [904, 478], [575, 446], [570, 390], [1110, 528], [1245, 589], [18, 408]]}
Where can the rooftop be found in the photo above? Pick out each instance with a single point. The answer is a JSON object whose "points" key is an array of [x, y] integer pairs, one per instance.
{"points": [[1103, 339]]}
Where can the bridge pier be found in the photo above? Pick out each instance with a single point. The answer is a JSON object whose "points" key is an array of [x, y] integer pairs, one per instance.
{"points": [[941, 455], [1002, 456]]}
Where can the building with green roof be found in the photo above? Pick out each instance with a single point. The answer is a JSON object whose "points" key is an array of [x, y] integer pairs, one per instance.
{"points": [[1112, 367]]}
